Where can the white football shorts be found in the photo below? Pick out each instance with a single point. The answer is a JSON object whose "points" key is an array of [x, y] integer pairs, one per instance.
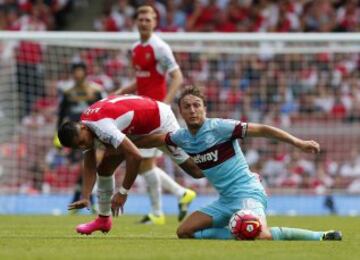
{"points": [[150, 153]]}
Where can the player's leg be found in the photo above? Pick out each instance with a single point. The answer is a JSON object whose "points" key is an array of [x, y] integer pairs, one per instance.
{"points": [[276, 233], [209, 222], [169, 184], [152, 179], [106, 182], [196, 222], [286, 233], [105, 190]]}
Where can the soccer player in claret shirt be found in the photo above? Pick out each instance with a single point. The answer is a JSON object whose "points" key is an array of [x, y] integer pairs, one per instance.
{"points": [[213, 144], [153, 61], [108, 122]]}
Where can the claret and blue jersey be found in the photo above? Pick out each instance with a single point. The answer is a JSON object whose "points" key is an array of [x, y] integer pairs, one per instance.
{"points": [[216, 151]]}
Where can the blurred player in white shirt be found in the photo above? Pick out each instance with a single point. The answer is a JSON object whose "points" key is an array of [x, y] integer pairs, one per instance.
{"points": [[153, 60]]}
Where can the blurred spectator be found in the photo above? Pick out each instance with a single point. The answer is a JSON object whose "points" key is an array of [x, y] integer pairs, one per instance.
{"points": [[204, 17], [29, 56], [287, 17], [338, 110], [37, 131], [122, 12], [28, 15], [238, 15], [115, 64], [224, 24], [324, 99], [354, 92], [176, 9], [351, 167], [348, 16], [98, 76], [319, 16], [116, 18], [106, 22], [34, 15], [174, 19]]}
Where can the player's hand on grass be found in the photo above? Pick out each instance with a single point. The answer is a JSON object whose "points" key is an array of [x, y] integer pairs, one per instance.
{"points": [[309, 146], [80, 204], [117, 203]]}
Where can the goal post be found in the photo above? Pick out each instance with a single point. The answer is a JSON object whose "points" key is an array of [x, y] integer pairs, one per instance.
{"points": [[306, 83]]}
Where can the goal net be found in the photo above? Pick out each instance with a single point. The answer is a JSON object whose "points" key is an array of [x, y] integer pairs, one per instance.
{"points": [[307, 84]]}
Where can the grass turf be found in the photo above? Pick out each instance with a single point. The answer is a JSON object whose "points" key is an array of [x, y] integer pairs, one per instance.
{"points": [[53, 237]]}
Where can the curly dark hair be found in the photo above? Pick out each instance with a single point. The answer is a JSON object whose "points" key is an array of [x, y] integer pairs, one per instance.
{"points": [[67, 132]]}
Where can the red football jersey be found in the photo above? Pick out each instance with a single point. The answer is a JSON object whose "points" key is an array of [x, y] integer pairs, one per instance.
{"points": [[116, 116], [151, 61]]}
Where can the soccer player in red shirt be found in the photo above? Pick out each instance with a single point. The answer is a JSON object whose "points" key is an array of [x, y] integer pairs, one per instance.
{"points": [[111, 122], [153, 60]]}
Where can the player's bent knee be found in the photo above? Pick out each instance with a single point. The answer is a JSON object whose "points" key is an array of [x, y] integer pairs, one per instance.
{"points": [[183, 233]]}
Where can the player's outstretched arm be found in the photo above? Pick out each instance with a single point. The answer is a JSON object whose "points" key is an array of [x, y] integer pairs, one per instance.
{"points": [[158, 140], [89, 179], [190, 167], [260, 130], [150, 141]]}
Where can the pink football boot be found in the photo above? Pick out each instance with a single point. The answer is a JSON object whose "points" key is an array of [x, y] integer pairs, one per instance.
{"points": [[102, 224]]}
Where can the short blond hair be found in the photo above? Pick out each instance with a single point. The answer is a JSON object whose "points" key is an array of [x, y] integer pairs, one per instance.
{"points": [[145, 9]]}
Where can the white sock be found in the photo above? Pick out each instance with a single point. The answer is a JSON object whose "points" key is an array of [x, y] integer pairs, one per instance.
{"points": [[104, 193], [169, 184], [154, 189]]}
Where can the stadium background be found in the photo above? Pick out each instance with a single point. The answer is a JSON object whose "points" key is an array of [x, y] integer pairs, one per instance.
{"points": [[307, 85]]}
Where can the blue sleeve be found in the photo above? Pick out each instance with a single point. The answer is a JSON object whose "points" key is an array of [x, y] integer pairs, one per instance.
{"points": [[231, 129]]}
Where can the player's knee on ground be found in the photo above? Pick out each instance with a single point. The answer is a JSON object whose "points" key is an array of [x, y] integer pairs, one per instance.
{"points": [[184, 232]]}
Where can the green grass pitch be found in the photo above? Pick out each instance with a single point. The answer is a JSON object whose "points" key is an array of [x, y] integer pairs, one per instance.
{"points": [[51, 237]]}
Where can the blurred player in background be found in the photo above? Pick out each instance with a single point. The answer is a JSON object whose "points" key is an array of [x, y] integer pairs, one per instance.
{"points": [[153, 60], [213, 144], [73, 102], [110, 123]]}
